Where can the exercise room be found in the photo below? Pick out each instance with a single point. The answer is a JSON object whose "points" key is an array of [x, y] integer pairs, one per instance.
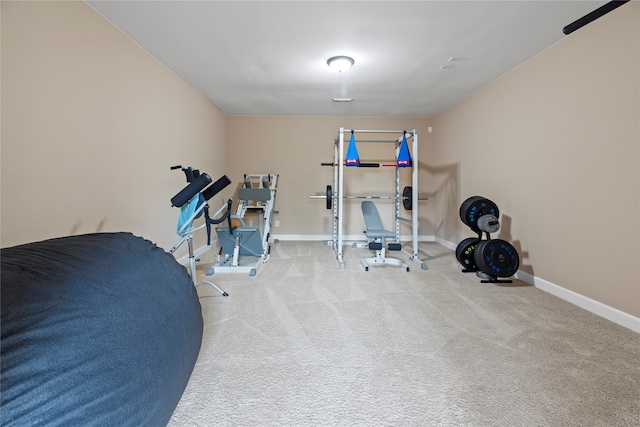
{"points": [[332, 213]]}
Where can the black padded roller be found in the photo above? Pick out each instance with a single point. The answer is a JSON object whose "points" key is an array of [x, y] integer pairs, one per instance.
{"points": [[216, 187], [191, 190]]}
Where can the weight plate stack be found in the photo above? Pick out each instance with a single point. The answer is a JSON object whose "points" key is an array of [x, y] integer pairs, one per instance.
{"points": [[497, 258], [464, 253], [473, 208], [488, 223]]}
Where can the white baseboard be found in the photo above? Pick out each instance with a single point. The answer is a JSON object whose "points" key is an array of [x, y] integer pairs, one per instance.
{"points": [[446, 243], [595, 307], [301, 237], [347, 238]]}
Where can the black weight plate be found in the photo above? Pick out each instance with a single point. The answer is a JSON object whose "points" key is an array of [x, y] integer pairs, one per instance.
{"points": [[407, 198], [465, 206], [478, 257], [474, 207], [497, 258], [464, 253], [329, 197]]}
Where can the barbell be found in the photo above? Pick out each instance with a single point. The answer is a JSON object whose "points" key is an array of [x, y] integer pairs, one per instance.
{"points": [[407, 197]]}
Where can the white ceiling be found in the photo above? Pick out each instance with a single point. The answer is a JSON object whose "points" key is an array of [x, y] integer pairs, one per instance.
{"points": [[269, 57]]}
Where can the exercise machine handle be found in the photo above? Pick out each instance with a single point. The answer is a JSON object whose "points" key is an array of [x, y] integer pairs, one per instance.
{"points": [[209, 221], [189, 172], [224, 216]]}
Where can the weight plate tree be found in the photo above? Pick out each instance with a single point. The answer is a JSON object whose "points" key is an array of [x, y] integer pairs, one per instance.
{"points": [[490, 258]]}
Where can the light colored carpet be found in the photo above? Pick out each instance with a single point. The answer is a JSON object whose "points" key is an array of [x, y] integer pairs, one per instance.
{"points": [[305, 344]]}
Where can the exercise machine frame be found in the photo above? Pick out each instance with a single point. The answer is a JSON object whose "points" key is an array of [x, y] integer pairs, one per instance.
{"points": [[241, 240], [187, 229]]}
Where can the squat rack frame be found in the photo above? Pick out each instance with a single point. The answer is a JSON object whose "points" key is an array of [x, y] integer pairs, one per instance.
{"points": [[338, 183]]}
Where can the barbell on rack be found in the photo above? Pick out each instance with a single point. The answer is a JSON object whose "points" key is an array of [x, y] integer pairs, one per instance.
{"points": [[407, 197]]}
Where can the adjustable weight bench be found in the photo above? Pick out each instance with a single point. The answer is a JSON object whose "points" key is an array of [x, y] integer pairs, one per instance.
{"points": [[376, 236]]}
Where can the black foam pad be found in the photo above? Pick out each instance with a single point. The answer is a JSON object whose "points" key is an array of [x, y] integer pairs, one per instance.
{"points": [[190, 190], [216, 187]]}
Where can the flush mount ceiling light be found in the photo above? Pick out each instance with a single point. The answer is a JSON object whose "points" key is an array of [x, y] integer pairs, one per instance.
{"points": [[340, 63]]}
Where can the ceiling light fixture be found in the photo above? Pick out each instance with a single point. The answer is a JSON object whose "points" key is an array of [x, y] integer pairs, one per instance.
{"points": [[340, 63], [341, 99]]}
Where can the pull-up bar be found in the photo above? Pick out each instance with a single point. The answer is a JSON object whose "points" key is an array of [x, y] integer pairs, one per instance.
{"points": [[403, 157], [363, 165], [390, 141], [409, 133]]}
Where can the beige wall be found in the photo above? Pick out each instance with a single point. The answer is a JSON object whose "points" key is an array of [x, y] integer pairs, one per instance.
{"points": [[294, 147], [555, 143], [91, 124]]}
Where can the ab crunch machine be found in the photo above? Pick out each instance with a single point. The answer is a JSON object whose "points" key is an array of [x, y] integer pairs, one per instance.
{"points": [[192, 201]]}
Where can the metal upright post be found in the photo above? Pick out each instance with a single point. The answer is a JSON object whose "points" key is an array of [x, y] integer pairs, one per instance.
{"points": [[414, 200], [336, 142], [339, 195], [414, 193], [397, 214]]}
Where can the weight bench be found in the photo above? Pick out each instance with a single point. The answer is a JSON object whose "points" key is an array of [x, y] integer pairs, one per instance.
{"points": [[376, 236]]}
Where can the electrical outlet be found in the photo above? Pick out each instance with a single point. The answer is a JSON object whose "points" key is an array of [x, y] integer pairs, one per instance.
{"points": [[277, 223]]}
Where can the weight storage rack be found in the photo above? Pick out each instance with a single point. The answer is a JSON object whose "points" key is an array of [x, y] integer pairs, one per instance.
{"points": [[337, 241]]}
